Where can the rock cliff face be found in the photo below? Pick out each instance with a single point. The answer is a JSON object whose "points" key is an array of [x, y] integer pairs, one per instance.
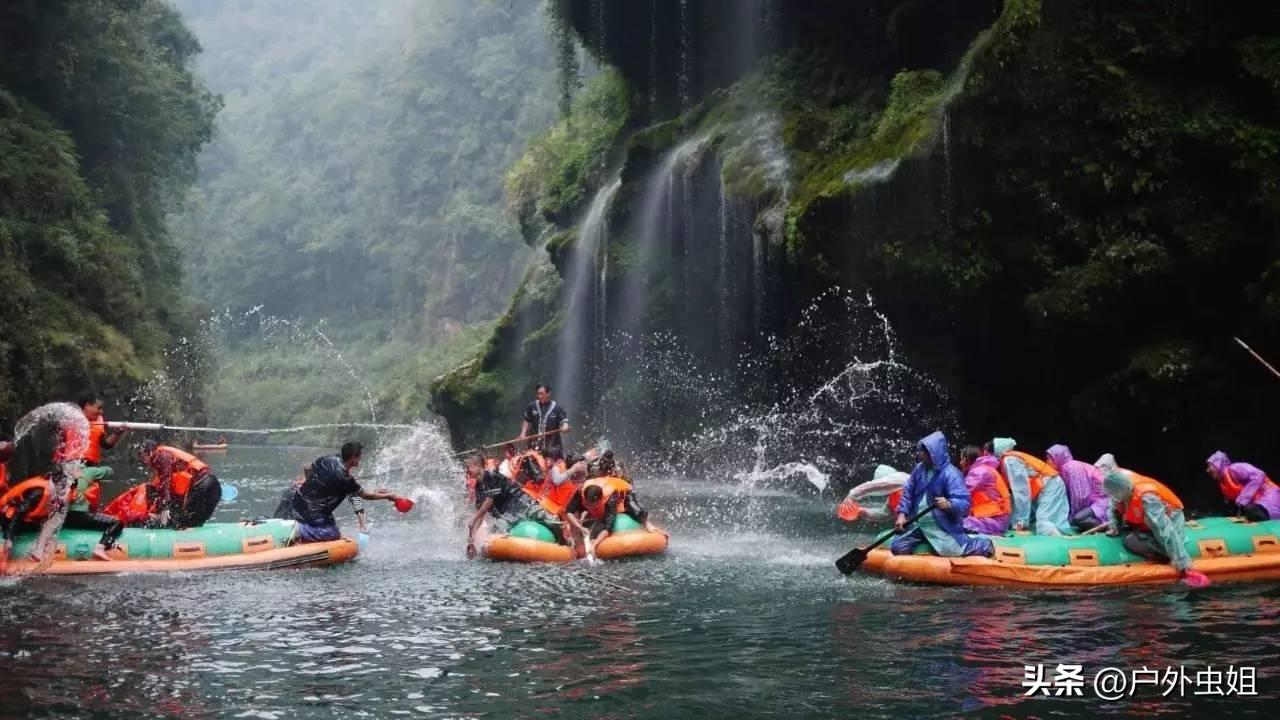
{"points": [[1065, 211]]}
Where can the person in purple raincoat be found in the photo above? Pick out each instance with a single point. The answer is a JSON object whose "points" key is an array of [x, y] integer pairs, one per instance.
{"points": [[936, 483], [1088, 504], [1247, 489], [988, 493]]}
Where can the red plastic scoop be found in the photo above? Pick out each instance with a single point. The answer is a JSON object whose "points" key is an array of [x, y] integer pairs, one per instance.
{"points": [[404, 504]]}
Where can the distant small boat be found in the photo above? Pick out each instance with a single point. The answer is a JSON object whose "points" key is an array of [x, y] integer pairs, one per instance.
{"points": [[209, 447]]}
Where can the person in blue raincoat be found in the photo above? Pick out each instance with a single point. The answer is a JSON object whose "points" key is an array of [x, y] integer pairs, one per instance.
{"points": [[936, 482]]}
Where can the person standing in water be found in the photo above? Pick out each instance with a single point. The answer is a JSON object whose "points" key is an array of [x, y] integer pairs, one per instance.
{"points": [[936, 483], [327, 484], [542, 416]]}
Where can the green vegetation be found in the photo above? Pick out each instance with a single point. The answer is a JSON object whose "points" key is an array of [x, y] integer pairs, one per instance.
{"points": [[356, 180], [555, 177], [92, 151]]}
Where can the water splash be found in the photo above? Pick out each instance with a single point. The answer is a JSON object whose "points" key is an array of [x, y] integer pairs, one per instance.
{"points": [[64, 421], [368, 396], [418, 464]]}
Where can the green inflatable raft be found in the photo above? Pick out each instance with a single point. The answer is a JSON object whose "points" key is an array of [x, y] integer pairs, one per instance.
{"points": [[143, 544]]}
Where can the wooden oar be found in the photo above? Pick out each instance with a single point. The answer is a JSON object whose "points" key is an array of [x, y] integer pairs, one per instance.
{"points": [[526, 438], [853, 559]]}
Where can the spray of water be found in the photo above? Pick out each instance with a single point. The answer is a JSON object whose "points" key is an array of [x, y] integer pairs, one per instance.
{"points": [[416, 462]]}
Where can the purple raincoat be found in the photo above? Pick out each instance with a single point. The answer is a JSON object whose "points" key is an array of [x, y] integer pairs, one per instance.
{"points": [[1083, 481], [983, 476], [1255, 487]]}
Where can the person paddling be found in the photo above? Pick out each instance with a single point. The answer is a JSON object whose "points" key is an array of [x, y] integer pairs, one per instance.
{"points": [[542, 416], [328, 483], [936, 483]]}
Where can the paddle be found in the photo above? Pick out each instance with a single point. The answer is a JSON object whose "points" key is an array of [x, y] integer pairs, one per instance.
{"points": [[1258, 357], [229, 493], [853, 559]]}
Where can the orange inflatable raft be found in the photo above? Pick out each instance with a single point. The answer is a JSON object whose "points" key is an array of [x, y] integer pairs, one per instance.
{"points": [[529, 542], [1225, 549]]}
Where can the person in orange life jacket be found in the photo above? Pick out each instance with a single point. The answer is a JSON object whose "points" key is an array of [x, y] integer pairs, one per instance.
{"points": [[545, 415], [988, 491], [1247, 490], [595, 506], [185, 488], [1152, 515], [25, 506], [99, 437], [328, 483]]}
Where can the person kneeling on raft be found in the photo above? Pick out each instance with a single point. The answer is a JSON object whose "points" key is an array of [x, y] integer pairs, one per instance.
{"points": [[1246, 489], [595, 506], [936, 482], [1152, 516], [327, 485], [185, 490], [1088, 504], [504, 499], [988, 493]]}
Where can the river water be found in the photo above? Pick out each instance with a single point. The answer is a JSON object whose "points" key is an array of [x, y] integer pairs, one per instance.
{"points": [[745, 617]]}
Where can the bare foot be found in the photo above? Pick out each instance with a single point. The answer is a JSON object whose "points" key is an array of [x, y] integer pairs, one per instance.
{"points": [[100, 553]]}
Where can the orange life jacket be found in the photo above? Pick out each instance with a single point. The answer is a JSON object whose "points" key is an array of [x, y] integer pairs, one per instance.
{"points": [[130, 507], [10, 500], [986, 504], [1231, 487], [97, 430], [613, 489], [186, 468], [1040, 470], [1133, 514], [4, 478], [895, 497]]}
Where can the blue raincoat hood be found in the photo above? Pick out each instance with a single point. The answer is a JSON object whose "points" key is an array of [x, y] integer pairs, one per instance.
{"points": [[936, 445]]}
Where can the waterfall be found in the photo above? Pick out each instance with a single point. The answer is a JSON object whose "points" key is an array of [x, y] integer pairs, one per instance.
{"points": [[580, 278], [724, 313], [656, 222], [946, 170], [682, 78]]}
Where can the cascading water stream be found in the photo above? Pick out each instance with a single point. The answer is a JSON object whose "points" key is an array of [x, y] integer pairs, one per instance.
{"points": [[656, 221], [581, 280]]}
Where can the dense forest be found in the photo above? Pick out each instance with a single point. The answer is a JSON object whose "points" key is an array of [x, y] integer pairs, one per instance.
{"points": [[1065, 209], [355, 187], [101, 121]]}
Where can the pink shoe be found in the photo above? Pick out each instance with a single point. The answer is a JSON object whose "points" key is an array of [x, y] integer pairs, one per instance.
{"points": [[1195, 579]]}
